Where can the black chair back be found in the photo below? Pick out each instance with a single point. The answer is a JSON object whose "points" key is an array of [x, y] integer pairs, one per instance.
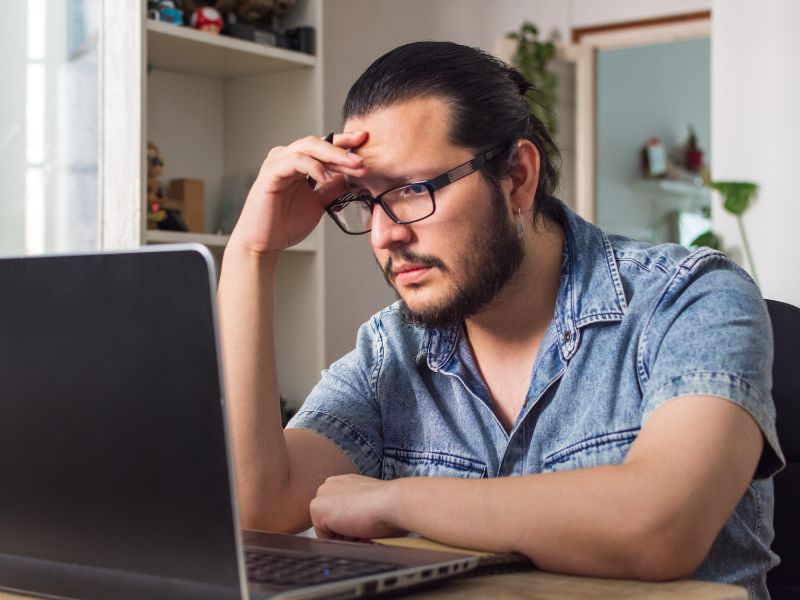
{"points": [[783, 581]]}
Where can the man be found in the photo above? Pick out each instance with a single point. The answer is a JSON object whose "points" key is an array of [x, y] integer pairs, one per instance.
{"points": [[624, 387]]}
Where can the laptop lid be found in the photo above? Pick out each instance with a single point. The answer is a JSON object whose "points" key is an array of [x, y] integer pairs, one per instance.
{"points": [[115, 475]]}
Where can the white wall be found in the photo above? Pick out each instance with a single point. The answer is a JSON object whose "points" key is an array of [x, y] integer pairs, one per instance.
{"points": [[558, 17], [755, 129], [586, 13]]}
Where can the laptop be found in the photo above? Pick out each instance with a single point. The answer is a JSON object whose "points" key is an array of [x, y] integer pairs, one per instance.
{"points": [[115, 465]]}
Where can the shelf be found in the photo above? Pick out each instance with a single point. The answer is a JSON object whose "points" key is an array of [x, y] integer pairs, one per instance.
{"points": [[194, 52], [677, 187], [213, 240]]}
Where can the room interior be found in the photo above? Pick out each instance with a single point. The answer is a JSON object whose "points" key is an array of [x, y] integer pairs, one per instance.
{"points": [[93, 82], [89, 83]]}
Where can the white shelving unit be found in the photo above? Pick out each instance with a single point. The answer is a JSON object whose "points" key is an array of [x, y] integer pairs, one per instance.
{"points": [[187, 50], [214, 240], [215, 105]]}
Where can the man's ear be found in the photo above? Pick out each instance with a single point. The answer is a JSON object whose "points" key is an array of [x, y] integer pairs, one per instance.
{"points": [[524, 176]]}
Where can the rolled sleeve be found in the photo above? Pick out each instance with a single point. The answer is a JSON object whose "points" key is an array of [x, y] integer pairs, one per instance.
{"points": [[710, 335], [346, 437], [342, 406]]}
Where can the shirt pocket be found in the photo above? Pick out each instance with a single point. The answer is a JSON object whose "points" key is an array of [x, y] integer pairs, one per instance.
{"points": [[412, 463], [601, 449]]}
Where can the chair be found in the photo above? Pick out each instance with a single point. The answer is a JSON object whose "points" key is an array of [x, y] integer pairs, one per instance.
{"points": [[783, 581]]}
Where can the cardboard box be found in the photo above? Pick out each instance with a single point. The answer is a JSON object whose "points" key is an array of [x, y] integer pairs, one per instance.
{"points": [[189, 192]]}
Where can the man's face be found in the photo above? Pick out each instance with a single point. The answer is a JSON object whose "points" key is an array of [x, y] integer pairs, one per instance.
{"points": [[449, 266]]}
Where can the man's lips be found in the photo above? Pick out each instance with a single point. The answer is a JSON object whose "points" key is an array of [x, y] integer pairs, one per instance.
{"points": [[407, 274]]}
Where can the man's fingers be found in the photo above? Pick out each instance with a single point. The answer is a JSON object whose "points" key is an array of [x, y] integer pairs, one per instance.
{"points": [[326, 152], [293, 165], [349, 139]]}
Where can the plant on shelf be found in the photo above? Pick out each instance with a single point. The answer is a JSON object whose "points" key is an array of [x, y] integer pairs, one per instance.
{"points": [[532, 58], [737, 197]]}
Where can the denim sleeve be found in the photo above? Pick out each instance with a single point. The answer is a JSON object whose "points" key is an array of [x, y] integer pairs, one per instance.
{"points": [[710, 334], [342, 406]]}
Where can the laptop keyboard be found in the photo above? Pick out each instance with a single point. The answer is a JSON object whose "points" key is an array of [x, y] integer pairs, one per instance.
{"points": [[269, 567]]}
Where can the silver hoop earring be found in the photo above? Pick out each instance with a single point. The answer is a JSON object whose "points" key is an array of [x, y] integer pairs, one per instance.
{"points": [[520, 224]]}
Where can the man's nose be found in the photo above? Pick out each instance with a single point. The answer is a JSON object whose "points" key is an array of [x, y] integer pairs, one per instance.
{"points": [[385, 232]]}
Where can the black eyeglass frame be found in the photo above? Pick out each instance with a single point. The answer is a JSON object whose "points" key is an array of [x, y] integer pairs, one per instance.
{"points": [[432, 185]]}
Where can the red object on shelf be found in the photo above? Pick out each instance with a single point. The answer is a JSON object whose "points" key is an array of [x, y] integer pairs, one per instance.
{"points": [[207, 19], [694, 160]]}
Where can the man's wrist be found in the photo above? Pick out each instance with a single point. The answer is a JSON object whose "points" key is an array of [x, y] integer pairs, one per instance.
{"points": [[395, 503], [240, 250]]}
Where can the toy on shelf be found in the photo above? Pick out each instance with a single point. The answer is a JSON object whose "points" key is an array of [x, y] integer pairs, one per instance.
{"points": [[155, 192], [153, 11], [162, 212], [208, 19], [168, 13]]}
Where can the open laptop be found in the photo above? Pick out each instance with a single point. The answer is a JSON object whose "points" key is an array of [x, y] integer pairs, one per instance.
{"points": [[115, 466]]}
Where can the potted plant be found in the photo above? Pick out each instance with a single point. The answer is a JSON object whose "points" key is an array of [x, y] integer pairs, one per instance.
{"points": [[532, 59], [737, 197]]}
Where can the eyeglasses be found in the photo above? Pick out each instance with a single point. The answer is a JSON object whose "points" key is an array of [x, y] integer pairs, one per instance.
{"points": [[404, 204]]}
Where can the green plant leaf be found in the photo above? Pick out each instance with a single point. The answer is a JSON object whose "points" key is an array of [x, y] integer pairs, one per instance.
{"points": [[708, 239], [737, 195], [532, 59]]}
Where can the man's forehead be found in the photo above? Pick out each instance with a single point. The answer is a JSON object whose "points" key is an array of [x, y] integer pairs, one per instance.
{"points": [[405, 137], [419, 122]]}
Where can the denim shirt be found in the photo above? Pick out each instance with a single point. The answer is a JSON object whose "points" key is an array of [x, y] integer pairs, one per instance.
{"points": [[635, 325]]}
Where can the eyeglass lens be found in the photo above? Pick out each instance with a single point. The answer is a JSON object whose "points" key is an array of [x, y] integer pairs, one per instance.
{"points": [[405, 204]]}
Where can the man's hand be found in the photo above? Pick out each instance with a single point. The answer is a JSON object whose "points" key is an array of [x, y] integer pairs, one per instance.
{"points": [[281, 209], [353, 507]]}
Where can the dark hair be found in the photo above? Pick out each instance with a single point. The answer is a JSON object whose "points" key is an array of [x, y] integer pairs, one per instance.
{"points": [[488, 106]]}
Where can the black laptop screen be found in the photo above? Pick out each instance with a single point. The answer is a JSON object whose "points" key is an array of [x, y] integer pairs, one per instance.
{"points": [[112, 445]]}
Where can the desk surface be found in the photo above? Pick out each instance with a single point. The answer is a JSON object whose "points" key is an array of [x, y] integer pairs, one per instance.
{"points": [[539, 585]]}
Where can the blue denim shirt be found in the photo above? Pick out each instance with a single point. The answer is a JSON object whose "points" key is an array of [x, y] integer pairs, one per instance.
{"points": [[635, 325]]}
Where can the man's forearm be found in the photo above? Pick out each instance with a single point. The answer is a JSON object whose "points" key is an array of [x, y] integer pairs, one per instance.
{"points": [[246, 303], [601, 521]]}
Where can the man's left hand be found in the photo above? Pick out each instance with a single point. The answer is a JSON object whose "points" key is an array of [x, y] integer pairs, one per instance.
{"points": [[352, 507]]}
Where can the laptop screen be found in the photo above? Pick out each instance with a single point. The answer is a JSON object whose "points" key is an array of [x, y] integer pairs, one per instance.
{"points": [[112, 441]]}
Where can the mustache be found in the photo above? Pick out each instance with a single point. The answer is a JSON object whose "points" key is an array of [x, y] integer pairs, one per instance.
{"points": [[407, 256]]}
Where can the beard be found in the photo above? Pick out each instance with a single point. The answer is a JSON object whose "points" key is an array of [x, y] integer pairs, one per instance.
{"points": [[488, 262]]}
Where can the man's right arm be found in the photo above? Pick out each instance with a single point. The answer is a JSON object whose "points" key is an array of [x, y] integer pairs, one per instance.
{"points": [[277, 474]]}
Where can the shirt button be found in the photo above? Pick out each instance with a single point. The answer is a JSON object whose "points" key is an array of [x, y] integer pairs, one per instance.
{"points": [[567, 336]]}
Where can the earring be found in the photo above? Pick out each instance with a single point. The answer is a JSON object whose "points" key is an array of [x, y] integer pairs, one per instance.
{"points": [[520, 225]]}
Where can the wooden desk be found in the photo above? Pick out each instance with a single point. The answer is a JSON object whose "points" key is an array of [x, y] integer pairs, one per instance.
{"points": [[539, 585]]}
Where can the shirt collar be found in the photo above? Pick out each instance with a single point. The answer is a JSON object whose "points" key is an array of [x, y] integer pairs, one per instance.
{"points": [[590, 291], [591, 287]]}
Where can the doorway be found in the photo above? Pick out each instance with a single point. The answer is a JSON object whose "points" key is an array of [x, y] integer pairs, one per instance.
{"points": [[636, 84]]}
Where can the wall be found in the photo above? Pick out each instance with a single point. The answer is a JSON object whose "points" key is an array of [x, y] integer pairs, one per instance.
{"points": [[643, 92], [558, 17], [756, 127]]}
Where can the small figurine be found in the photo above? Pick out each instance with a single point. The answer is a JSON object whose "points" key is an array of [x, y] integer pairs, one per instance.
{"points": [[168, 13], [155, 192], [207, 18], [225, 8], [153, 11]]}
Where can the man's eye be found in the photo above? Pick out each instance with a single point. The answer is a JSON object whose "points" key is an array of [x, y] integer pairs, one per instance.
{"points": [[415, 189]]}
